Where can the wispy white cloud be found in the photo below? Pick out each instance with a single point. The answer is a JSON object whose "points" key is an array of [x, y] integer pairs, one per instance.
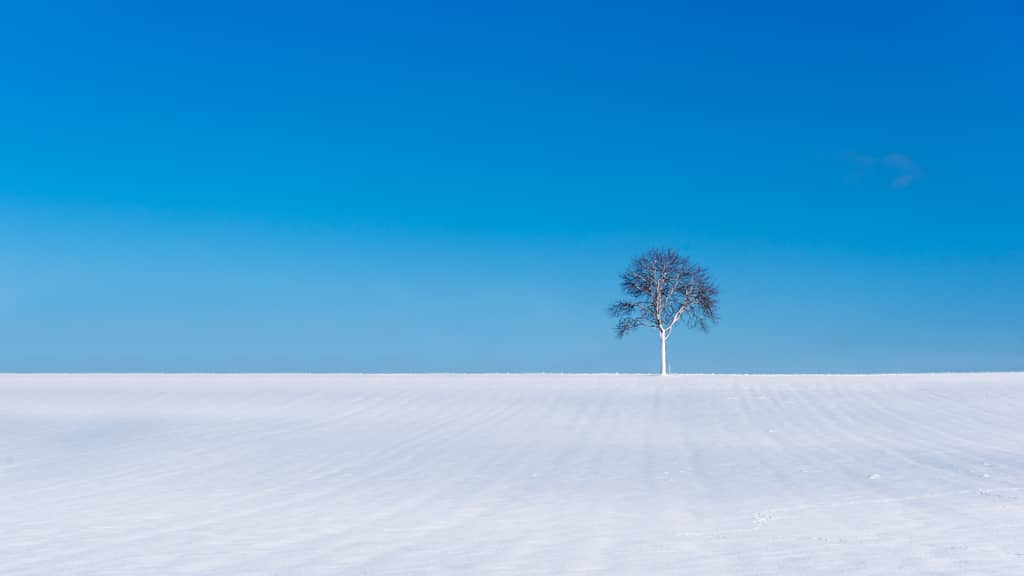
{"points": [[899, 169], [907, 171]]}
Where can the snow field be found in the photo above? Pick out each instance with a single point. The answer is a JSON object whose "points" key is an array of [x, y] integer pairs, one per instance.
{"points": [[511, 474]]}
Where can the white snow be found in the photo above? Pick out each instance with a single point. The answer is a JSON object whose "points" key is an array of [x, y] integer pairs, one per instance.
{"points": [[538, 474]]}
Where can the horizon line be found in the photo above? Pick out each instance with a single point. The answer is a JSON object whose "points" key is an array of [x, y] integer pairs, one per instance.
{"points": [[907, 373]]}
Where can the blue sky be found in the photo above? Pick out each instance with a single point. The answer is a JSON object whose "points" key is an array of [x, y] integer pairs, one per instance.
{"points": [[429, 186]]}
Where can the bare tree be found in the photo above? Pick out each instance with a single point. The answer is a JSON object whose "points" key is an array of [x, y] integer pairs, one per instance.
{"points": [[662, 289]]}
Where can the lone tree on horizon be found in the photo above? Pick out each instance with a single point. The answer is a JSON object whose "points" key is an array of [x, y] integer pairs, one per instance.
{"points": [[662, 289]]}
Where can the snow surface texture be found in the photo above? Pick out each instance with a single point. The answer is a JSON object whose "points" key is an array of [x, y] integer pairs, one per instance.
{"points": [[539, 474]]}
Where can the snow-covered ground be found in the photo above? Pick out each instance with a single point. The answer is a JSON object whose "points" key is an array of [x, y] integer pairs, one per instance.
{"points": [[540, 474]]}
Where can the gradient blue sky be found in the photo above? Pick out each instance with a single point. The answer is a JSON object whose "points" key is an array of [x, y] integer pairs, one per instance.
{"points": [[432, 186]]}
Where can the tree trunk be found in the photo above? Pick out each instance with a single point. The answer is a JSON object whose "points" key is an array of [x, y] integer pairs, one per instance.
{"points": [[664, 365]]}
